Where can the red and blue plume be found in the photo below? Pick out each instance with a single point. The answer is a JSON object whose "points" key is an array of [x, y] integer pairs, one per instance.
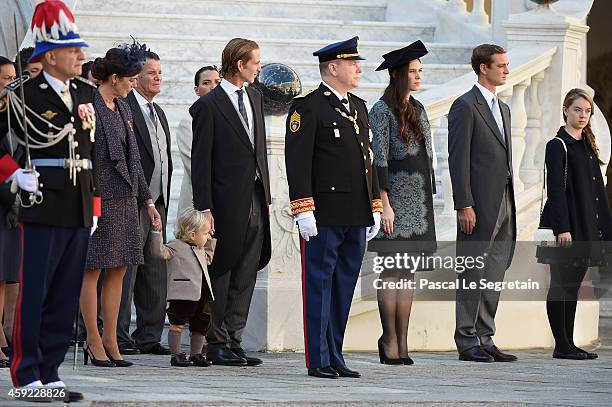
{"points": [[53, 26], [52, 18]]}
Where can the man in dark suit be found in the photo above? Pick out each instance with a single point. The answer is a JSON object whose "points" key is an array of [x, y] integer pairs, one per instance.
{"points": [[230, 180], [146, 283], [60, 205], [335, 199], [480, 164]]}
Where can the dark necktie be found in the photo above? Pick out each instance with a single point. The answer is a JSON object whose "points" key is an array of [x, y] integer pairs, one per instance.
{"points": [[345, 103], [241, 107], [152, 114]]}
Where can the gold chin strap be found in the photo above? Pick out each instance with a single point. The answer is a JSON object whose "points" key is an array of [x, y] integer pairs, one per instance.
{"points": [[342, 56]]}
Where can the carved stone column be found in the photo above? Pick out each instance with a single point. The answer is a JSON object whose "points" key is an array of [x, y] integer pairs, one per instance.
{"points": [[275, 317], [444, 188], [478, 15], [519, 121], [530, 173]]}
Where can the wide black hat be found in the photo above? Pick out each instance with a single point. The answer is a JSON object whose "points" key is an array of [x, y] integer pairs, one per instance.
{"points": [[403, 56], [339, 50]]}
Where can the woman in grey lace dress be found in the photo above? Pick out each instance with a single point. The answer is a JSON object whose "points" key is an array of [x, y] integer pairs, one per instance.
{"points": [[403, 158]]}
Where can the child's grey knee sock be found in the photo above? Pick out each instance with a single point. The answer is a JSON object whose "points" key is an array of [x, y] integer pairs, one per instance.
{"points": [[174, 341], [197, 343]]}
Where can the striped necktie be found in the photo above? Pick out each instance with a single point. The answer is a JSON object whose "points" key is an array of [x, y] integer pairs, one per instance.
{"points": [[241, 107]]}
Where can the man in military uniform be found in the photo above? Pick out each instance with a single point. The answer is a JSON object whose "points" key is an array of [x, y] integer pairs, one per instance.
{"points": [[59, 206], [335, 199]]}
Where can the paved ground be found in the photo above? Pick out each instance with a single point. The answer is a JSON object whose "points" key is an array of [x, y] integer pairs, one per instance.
{"points": [[436, 379]]}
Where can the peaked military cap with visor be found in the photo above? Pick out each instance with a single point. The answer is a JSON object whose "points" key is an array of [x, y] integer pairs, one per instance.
{"points": [[339, 50]]}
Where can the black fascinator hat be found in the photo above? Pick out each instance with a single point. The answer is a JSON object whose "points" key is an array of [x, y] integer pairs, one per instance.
{"points": [[132, 56], [122, 60]]}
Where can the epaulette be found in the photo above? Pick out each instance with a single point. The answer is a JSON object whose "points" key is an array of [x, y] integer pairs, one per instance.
{"points": [[357, 97], [304, 94], [14, 84], [87, 81]]}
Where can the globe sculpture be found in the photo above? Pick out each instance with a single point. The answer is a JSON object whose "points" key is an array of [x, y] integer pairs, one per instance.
{"points": [[279, 84]]}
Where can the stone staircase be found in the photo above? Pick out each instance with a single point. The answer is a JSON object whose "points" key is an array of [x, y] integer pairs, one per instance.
{"points": [[188, 34]]}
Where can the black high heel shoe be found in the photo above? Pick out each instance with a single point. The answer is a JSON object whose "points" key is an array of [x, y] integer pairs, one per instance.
{"points": [[117, 362], [384, 359], [96, 362], [408, 361]]}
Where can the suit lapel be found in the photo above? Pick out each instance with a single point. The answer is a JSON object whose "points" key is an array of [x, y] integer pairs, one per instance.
{"points": [[231, 115], [162, 121], [141, 125], [257, 114], [485, 111], [508, 132], [507, 122]]}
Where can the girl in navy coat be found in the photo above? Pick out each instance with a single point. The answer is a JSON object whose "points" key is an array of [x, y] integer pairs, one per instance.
{"points": [[577, 209]]}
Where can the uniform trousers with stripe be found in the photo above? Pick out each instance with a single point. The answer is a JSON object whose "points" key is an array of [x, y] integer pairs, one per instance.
{"points": [[331, 261], [51, 275]]}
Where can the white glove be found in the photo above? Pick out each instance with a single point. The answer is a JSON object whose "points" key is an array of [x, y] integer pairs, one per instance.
{"points": [[94, 226], [307, 224], [372, 231], [25, 180]]}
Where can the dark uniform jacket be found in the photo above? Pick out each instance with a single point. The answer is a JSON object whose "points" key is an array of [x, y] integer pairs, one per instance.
{"points": [[223, 163], [329, 165], [64, 204]]}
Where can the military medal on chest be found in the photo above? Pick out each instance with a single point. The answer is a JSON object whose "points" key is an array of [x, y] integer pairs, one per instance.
{"points": [[88, 119]]}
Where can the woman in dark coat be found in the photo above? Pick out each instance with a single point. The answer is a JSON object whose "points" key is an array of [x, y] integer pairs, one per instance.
{"points": [[116, 243], [577, 209], [403, 158], [9, 233], [10, 254]]}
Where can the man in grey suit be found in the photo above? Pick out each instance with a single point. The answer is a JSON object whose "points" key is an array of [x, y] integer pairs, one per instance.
{"points": [[480, 164], [146, 284]]}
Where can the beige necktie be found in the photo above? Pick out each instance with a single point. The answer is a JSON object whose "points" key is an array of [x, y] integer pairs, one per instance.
{"points": [[66, 98]]}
